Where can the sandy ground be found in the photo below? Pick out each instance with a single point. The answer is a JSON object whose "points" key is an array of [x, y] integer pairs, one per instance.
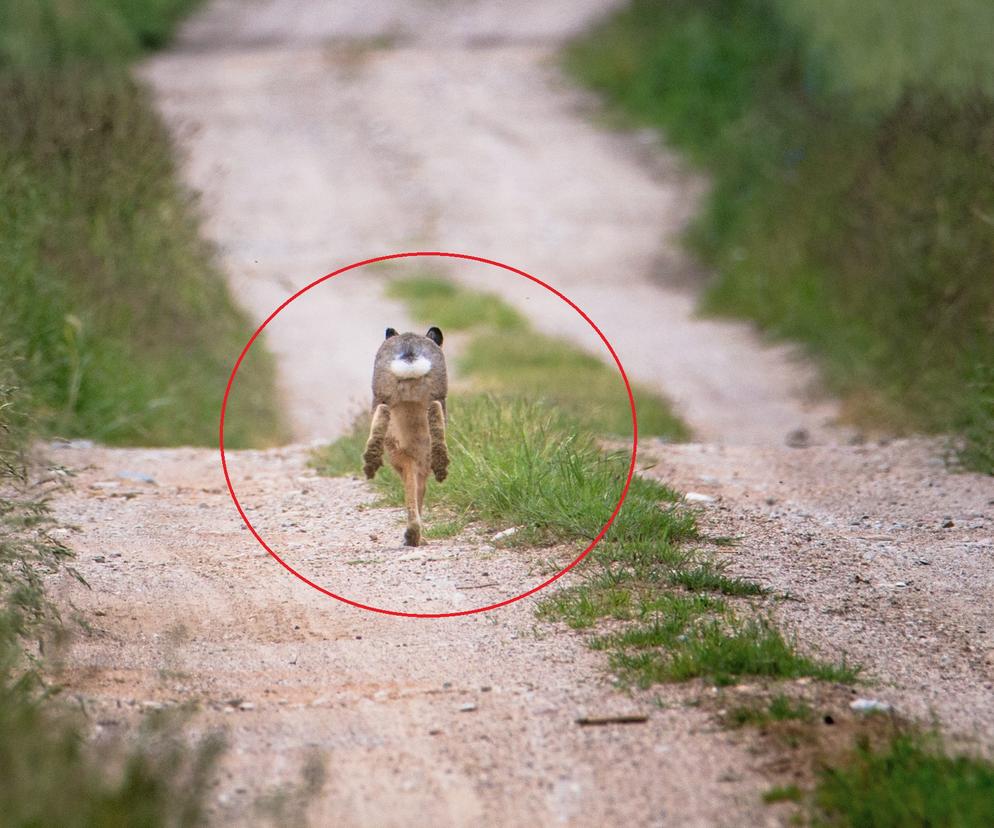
{"points": [[321, 134]]}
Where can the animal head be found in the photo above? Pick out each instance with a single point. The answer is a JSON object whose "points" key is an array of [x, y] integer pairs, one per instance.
{"points": [[412, 355], [410, 367]]}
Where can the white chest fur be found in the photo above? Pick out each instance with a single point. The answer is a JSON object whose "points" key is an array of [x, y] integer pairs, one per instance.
{"points": [[402, 369]]}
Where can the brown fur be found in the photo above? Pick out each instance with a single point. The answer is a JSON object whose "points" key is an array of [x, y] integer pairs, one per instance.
{"points": [[409, 420]]}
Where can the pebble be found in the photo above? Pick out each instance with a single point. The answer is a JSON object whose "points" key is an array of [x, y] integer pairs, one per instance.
{"points": [[468, 707], [698, 497], [246, 706], [870, 706], [138, 477], [506, 533]]}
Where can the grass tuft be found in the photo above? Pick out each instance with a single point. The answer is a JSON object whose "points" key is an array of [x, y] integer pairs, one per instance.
{"points": [[780, 708], [910, 781], [720, 652], [529, 465], [707, 577], [783, 793]]}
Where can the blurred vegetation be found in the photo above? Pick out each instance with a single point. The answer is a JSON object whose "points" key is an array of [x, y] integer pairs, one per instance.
{"points": [[911, 780], [113, 325], [118, 324], [851, 145], [49, 773]]}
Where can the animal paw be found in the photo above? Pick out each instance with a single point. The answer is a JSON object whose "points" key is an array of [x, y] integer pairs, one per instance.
{"points": [[440, 463], [412, 536], [371, 465]]}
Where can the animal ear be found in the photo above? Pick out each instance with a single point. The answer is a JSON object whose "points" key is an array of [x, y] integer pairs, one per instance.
{"points": [[390, 332], [435, 335]]}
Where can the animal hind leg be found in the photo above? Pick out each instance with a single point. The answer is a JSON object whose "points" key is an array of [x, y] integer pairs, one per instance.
{"points": [[372, 457], [439, 450], [413, 494]]}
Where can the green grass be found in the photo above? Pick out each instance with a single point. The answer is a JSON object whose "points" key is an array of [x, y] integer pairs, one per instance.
{"points": [[524, 457], [782, 793], [440, 302], [780, 708], [911, 781], [112, 325], [720, 651], [117, 319], [528, 465], [52, 777], [851, 152], [505, 356], [708, 577]]}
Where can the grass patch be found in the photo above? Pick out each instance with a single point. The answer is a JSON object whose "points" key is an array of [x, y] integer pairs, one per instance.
{"points": [[780, 708], [783, 793], [851, 145], [505, 356], [529, 465], [115, 314], [529, 458], [435, 301], [720, 651], [909, 781], [708, 577]]}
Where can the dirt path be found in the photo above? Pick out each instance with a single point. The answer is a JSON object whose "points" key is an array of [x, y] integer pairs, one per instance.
{"points": [[321, 134], [324, 134], [420, 722]]}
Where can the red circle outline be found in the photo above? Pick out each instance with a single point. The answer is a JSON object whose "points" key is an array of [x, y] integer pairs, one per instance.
{"points": [[357, 604]]}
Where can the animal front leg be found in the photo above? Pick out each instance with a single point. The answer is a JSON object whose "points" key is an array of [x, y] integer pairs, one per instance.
{"points": [[372, 457], [439, 450]]}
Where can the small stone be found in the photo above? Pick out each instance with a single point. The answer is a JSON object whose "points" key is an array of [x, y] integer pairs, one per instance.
{"points": [[138, 477], [798, 438], [870, 706], [506, 533], [246, 705], [698, 497], [100, 559], [468, 707], [948, 524]]}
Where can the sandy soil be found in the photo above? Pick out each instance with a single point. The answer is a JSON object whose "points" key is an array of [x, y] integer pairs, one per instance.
{"points": [[321, 134]]}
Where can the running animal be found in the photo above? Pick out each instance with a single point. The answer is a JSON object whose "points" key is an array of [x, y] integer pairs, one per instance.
{"points": [[409, 388]]}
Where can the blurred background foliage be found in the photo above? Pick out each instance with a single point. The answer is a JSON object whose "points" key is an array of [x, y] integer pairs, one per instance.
{"points": [[116, 323], [851, 148]]}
